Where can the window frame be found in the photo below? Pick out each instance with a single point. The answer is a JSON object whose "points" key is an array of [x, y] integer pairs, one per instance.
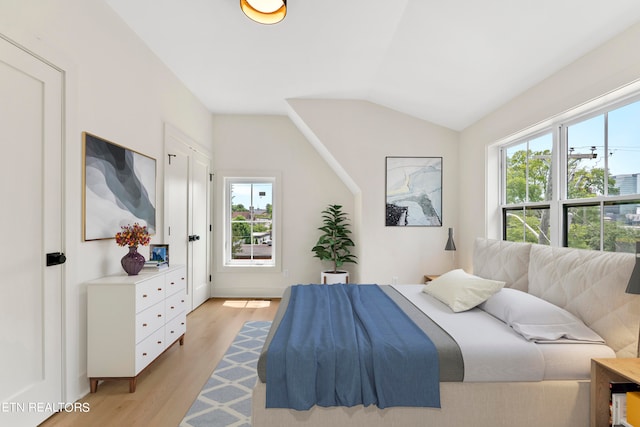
{"points": [[601, 203], [523, 208], [560, 203], [226, 262], [527, 205]]}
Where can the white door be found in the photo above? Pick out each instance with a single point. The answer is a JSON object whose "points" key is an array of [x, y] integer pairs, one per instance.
{"points": [[30, 293], [176, 208], [199, 246], [187, 212]]}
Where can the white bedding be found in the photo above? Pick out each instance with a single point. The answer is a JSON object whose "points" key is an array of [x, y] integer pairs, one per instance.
{"points": [[512, 357], [571, 361]]}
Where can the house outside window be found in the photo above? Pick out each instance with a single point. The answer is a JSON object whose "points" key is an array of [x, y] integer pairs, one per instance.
{"points": [[579, 179]]}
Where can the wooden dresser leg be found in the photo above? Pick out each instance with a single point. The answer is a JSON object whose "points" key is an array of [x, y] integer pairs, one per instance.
{"points": [[94, 384], [182, 340], [132, 384]]}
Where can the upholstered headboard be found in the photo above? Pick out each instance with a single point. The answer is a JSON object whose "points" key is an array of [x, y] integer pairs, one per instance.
{"points": [[504, 261], [589, 284]]}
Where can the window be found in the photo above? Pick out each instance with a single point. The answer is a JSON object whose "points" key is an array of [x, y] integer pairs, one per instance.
{"points": [[597, 160], [250, 238], [528, 189], [527, 224]]}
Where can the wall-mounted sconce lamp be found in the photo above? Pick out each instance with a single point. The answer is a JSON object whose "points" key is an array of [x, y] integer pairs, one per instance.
{"points": [[634, 281], [451, 246], [633, 287]]}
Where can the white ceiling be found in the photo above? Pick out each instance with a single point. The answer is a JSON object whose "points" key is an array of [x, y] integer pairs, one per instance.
{"points": [[449, 62]]}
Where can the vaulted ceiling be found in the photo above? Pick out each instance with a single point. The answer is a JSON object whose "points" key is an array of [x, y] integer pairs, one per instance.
{"points": [[449, 62]]}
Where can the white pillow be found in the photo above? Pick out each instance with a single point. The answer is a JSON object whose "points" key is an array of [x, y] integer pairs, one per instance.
{"points": [[536, 319], [462, 291]]}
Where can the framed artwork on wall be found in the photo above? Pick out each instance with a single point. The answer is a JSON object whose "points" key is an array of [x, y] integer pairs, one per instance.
{"points": [[413, 191], [119, 188]]}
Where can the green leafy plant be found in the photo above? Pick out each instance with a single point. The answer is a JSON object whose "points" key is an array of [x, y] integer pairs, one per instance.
{"points": [[335, 244]]}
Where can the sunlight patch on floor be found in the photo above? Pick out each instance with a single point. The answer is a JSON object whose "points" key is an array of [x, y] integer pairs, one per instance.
{"points": [[247, 304], [235, 304], [258, 304]]}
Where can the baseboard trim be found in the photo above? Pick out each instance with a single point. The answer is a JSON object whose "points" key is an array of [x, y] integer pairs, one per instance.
{"points": [[257, 292]]}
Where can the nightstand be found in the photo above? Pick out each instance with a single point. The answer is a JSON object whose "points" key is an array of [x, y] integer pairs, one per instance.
{"points": [[604, 371], [430, 277]]}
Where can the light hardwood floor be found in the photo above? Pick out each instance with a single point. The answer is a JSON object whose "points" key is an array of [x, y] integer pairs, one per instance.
{"points": [[168, 387]]}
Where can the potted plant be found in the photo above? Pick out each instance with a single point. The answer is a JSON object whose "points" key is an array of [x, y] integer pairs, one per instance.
{"points": [[335, 244]]}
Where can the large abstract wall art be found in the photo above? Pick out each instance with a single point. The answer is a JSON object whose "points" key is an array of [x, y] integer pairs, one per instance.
{"points": [[119, 188], [414, 191]]}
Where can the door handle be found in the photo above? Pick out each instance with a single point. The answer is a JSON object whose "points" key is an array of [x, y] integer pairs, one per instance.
{"points": [[194, 237], [55, 258]]}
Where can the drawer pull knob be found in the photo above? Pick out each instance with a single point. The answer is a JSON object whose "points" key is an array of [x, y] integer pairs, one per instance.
{"points": [[144, 354], [159, 342], [159, 315], [181, 300], [182, 323], [172, 307], [144, 324], [144, 295], [173, 332], [159, 289], [173, 283]]}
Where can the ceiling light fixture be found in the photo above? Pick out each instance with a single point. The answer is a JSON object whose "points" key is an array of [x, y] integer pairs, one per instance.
{"points": [[264, 11]]}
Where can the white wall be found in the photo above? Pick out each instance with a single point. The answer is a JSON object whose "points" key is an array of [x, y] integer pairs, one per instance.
{"points": [[272, 143], [119, 90], [116, 89], [613, 65], [359, 135]]}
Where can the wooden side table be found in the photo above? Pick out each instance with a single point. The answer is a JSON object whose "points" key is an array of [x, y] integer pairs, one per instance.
{"points": [[430, 277], [604, 371]]}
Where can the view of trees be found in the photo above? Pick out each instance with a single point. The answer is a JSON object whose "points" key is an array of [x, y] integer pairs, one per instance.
{"points": [[244, 225], [528, 179]]}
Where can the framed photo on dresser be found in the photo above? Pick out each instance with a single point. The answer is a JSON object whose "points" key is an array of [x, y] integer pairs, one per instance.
{"points": [[159, 253]]}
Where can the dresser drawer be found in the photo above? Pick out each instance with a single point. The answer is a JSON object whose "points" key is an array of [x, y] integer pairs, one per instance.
{"points": [[150, 320], [175, 328], [176, 281], [149, 292], [149, 349], [175, 304], [131, 320]]}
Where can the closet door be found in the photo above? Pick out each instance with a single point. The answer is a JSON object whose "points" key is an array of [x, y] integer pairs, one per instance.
{"points": [[31, 102], [187, 213], [199, 226]]}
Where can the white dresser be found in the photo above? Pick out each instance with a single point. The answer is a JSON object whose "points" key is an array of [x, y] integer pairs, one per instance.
{"points": [[132, 320]]}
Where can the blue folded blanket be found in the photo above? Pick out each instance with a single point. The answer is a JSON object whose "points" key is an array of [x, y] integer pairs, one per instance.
{"points": [[347, 345]]}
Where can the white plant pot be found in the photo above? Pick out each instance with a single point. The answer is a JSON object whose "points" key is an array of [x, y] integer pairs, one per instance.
{"points": [[331, 278]]}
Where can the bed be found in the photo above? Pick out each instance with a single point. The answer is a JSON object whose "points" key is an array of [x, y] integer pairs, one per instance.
{"points": [[547, 387]]}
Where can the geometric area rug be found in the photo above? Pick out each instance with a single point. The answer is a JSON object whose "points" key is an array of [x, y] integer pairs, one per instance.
{"points": [[225, 400]]}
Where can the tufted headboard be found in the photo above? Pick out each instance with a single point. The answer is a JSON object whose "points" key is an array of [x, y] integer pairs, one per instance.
{"points": [[504, 261], [589, 284]]}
